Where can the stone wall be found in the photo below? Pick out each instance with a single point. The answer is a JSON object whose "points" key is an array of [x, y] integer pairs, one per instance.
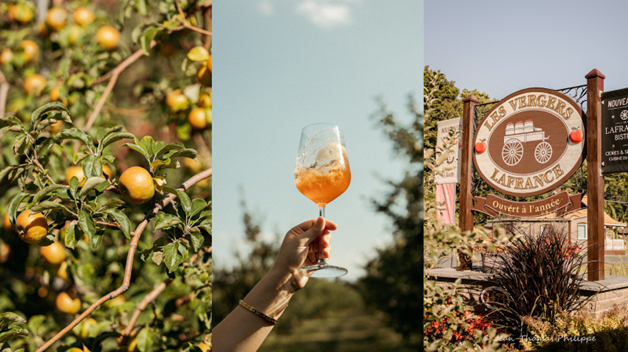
{"points": [[604, 294]]}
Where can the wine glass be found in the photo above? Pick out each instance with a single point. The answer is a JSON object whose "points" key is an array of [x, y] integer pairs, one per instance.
{"points": [[322, 174]]}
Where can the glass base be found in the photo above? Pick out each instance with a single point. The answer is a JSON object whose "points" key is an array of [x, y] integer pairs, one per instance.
{"points": [[322, 269]]}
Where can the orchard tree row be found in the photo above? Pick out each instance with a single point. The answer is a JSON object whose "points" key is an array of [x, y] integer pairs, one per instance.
{"points": [[105, 169]]}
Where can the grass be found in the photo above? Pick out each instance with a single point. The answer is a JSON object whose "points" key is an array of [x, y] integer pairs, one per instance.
{"points": [[615, 269], [348, 331]]}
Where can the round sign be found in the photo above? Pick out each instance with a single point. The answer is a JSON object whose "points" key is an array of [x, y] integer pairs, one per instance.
{"points": [[530, 142]]}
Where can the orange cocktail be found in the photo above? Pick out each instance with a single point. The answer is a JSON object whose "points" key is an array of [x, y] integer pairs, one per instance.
{"points": [[320, 186], [322, 173]]}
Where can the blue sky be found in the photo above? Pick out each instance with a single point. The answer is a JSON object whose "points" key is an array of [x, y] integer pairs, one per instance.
{"points": [[280, 65], [551, 44]]}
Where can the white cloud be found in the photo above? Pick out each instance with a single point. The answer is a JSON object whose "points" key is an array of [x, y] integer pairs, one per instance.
{"points": [[266, 7], [327, 14]]}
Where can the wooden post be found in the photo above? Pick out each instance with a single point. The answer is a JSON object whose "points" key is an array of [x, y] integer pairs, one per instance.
{"points": [[466, 161], [595, 181]]}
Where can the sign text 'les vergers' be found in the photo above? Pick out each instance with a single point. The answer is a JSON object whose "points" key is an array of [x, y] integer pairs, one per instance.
{"points": [[530, 142]]}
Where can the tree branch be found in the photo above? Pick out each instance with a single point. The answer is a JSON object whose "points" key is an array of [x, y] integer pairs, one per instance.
{"points": [[113, 225], [41, 167], [129, 259], [186, 24], [207, 19], [4, 90], [114, 74], [201, 146], [151, 296]]}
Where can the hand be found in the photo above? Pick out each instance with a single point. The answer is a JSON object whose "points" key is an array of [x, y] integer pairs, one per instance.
{"points": [[301, 247]]}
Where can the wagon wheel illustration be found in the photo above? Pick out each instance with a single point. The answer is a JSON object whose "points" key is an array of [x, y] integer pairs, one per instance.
{"points": [[512, 152], [543, 152]]}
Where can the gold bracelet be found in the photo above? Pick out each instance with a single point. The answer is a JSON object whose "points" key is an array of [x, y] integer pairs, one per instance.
{"points": [[258, 313]]}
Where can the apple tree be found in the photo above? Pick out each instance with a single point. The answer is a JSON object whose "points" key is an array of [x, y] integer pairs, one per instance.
{"points": [[105, 169]]}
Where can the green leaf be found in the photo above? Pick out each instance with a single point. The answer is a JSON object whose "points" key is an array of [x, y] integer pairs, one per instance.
{"points": [[96, 241], [72, 235], [121, 219], [172, 256], [185, 201], [197, 240], [161, 147], [43, 192], [164, 220], [35, 322], [90, 184], [206, 227], [111, 203], [198, 205], [10, 318], [54, 106], [92, 167], [77, 134], [112, 138], [48, 205], [140, 6], [147, 143], [74, 183], [10, 121], [169, 190], [19, 141], [183, 250], [138, 149], [87, 225], [157, 163], [12, 333], [5, 171], [147, 38], [198, 53], [157, 257], [79, 157], [14, 205], [144, 339], [188, 153]]}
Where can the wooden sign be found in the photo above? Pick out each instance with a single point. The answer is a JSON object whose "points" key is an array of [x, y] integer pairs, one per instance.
{"points": [[615, 131], [493, 205], [530, 142]]}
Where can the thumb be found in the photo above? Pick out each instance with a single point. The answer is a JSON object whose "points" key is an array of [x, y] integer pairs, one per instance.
{"points": [[314, 231]]}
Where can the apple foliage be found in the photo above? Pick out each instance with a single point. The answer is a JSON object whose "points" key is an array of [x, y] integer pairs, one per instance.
{"points": [[104, 107]]}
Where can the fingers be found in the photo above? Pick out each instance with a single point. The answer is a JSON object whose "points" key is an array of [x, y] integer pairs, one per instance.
{"points": [[314, 228], [322, 246], [306, 225]]}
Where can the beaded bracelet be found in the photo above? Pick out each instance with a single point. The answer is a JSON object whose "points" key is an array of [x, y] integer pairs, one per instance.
{"points": [[258, 313]]}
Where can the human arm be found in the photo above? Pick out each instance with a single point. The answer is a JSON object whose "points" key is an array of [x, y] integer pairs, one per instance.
{"points": [[241, 330]]}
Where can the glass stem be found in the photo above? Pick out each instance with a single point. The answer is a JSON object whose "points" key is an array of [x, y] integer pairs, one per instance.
{"points": [[321, 212]]}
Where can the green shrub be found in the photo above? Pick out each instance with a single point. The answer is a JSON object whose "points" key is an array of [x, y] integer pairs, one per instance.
{"points": [[450, 325]]}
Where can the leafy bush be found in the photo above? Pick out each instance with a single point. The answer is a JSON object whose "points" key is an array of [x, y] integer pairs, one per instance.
{"points": [[539, 274], [449, 324]]}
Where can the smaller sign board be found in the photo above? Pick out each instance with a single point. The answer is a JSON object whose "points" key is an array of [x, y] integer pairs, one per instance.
{"points": [[493, 205], [447, 168], [615, 131]]}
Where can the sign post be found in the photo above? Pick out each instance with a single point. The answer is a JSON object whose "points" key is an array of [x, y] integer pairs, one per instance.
{"points": [[595, 181], [466, 160]]}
